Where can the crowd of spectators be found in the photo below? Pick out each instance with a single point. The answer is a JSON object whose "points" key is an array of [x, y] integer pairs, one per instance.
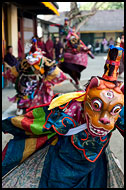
{"points": [[103, 46], [52, 49]]}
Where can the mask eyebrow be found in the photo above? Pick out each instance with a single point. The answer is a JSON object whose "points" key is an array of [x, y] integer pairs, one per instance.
{"points": [[89, 105]]}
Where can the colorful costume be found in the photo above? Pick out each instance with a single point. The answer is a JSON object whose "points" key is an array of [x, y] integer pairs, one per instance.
{"points": [[112, 64], [71, 135], [52, 76], [34, 80], [65, 29], [75, 57]]}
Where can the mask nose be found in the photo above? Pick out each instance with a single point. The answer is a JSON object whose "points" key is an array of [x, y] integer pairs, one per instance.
{"points": [[104, 120]]}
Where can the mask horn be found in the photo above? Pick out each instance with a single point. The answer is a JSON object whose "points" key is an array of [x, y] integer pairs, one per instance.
{"points": [[95, 82]]}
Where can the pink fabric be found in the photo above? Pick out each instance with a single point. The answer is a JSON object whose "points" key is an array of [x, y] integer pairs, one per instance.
{"points": [[75, 110], [69, 35], [78, 59], [9, 76], [13, 99], [45, 93]]}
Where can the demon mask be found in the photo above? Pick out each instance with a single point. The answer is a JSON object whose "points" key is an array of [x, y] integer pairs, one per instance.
{"points": [[74, 40], [102, 105]]}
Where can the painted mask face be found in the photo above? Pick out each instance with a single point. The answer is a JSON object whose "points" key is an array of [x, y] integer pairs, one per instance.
{"points": [[102, 107], [73, 40]]}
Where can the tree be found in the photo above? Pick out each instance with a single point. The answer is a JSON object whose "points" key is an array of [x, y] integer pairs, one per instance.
{"points": [[105, 6], [79, 17], [115, 5]]}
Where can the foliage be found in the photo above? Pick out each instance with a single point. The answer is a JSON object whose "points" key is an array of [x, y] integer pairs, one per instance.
{"points": [[105, 6]]}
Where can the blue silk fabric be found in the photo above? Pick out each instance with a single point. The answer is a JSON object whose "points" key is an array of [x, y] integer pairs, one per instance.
{"points": [[76, 162], [119, 48], [90, 148], [65, 167]]}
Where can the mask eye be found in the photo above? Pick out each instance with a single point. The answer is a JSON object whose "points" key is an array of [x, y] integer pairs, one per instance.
{"points": [[96, 104], [116, 109], [109, 94]]}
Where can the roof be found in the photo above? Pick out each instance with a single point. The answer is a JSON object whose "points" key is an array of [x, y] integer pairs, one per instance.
{"points": [[52, 6], [103, 20], [37, 7], [54, 18]]}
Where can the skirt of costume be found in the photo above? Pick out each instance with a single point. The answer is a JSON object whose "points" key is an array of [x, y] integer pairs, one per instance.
{"points": [[34, 172], [74, 63], [78, 58]]}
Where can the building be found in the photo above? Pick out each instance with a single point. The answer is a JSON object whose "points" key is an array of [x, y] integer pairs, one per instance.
{"points": [[55, 23], [43, 27], [52, 22], [21, 17], [104, 24]]}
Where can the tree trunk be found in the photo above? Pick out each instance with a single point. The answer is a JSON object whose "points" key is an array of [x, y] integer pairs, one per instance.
{"points": [[76, 15]]}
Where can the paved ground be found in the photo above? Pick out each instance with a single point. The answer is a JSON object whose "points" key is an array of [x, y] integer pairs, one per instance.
{"points": [[95, 68]]}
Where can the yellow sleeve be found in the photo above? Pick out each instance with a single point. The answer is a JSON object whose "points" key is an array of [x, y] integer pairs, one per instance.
{"points": [[63, 99]]}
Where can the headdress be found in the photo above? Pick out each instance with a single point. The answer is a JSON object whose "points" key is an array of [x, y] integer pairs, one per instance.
{"points": [[66, 19], [113, 62], [34, 40]]}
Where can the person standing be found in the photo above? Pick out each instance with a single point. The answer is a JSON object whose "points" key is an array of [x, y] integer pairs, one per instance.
{"points": [[105, 45], [111, 41], [97, 47], [34, 45], [20, 49], [49, 48], [41, 44], [64, 31], [58, 49]]}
